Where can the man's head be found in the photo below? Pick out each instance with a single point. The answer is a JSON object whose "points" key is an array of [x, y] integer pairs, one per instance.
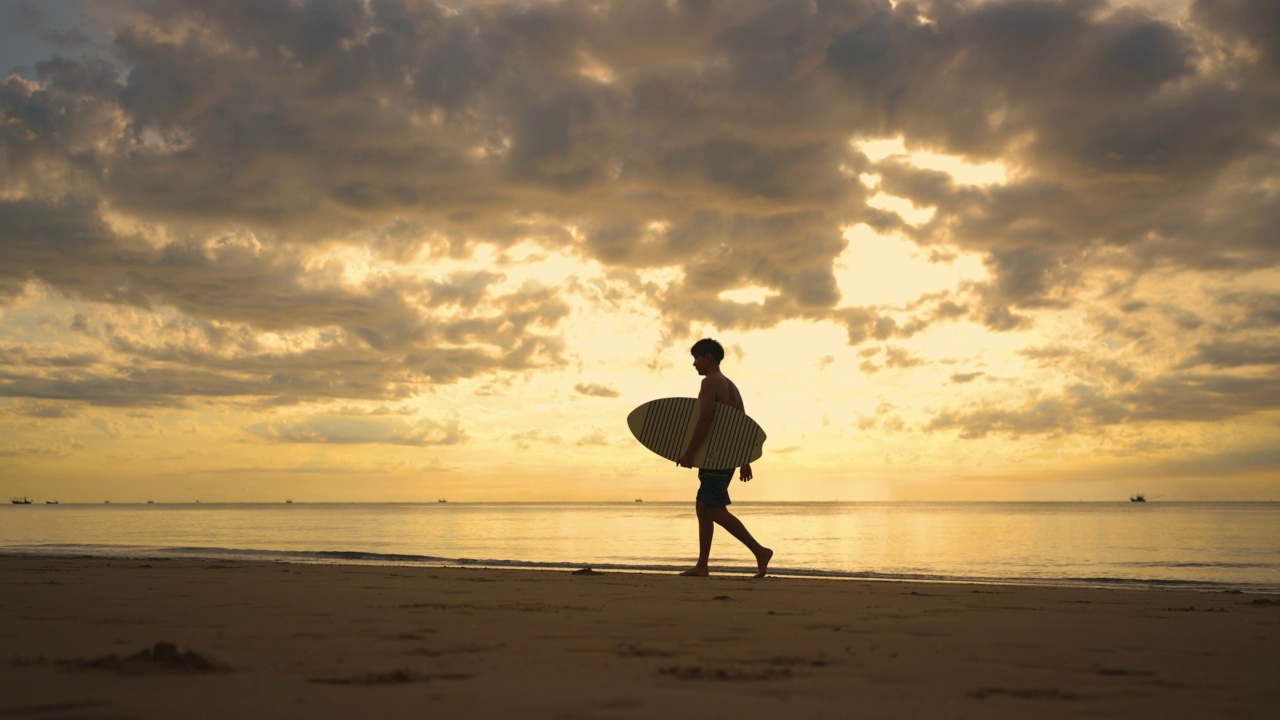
{"points": [[707, 347]]}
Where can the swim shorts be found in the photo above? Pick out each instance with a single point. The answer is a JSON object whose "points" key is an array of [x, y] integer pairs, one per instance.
{"points": [[713, 490]]}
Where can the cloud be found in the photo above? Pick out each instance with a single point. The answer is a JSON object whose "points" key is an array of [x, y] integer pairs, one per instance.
{"points": [[596, 437], [1089, 408], [1235, 354], [1251, 460], [46, 411], [28, 451], [141, 373], [290, 117], [232, 291], [1252, 22], [894, 357], [28, 19], [593, 390], [1260, 310], [359, 430], [1202, 397], [526, 439], [899, 358], [283, 202], [1080, 410]]}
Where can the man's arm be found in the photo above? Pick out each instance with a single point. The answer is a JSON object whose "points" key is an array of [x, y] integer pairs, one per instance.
{"points": [[706, 408]]}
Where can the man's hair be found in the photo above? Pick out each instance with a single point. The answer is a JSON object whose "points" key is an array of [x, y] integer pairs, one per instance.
{"points": [[707, 346]]}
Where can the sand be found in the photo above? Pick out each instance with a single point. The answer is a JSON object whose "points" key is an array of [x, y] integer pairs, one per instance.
{"points": [[112, 638]]}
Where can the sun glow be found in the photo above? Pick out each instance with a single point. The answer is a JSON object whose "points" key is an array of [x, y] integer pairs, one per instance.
{"points": [[877, 269], [903, 207], [962, 170], [748, 295], [595, 70]]}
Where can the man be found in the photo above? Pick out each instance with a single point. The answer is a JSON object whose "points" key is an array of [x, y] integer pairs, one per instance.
{"points": [[713, 493]]}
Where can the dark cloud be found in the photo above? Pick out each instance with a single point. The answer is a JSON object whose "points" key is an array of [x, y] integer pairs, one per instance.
{"points": [[1080, 409], [201, 170], [1000, 319], [1235, 354], [289, 78], [1255, 23], [1183, 319], [1259, 310], [1079, 363], [1025, 275], [19, 356], [1202, 397], [44, 410], [1089, 408], [377, 338], [194, 360], [30, 20]]}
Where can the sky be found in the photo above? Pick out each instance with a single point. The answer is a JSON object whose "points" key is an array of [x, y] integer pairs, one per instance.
{"points": [[389, 250]]}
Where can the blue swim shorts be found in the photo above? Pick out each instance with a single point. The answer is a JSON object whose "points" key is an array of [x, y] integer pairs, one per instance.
{"points": [[713, 488]]}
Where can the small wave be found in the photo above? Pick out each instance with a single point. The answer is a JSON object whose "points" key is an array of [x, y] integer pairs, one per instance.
{"points": [[356, 557], [336, 557], [1202, 564]]}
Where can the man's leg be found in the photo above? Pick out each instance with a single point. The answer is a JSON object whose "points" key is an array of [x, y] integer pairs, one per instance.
{"points": [[706, 529], [730, 522]]}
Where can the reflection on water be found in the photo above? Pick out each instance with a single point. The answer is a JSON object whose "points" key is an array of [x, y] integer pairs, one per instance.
{"points": [[1197, 543]]}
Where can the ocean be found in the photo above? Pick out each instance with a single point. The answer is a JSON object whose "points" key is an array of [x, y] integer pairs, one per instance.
{"points": [[1202, 546]]}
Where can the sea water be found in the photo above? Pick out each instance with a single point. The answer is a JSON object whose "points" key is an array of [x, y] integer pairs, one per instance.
{"points": [[1211, 546]]}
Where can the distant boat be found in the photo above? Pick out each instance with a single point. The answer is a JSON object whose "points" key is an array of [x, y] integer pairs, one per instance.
{"points": [[50, 502], [1138, 498], [22, 501], [286, 502], [151, 502], [639, 500], [442, 500]]}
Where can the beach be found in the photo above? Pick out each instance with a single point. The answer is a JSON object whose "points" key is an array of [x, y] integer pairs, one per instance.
{"points": [[92, 637]]}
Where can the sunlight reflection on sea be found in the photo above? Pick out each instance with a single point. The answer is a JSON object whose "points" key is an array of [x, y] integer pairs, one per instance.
{"points": [[1210, 545]]}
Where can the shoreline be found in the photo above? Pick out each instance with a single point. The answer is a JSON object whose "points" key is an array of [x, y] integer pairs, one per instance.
{"points": [[340, 558], [37, 502], [197, 638]]}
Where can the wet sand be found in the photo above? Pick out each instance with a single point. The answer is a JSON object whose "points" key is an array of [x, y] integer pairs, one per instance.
{"points": [[111, 638]]}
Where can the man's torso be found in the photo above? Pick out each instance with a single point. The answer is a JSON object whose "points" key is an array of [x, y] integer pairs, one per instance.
{"points": [[724, 391]]}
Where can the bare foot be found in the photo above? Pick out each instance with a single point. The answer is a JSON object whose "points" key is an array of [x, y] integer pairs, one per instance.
{"points": [[697, 571], [762, 562]]}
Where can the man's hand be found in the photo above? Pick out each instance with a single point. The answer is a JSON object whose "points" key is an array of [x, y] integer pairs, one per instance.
{"points": [[685, 460], [745, 474]]}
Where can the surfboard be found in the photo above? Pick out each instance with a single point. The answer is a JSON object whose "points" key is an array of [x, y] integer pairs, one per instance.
{"points": [[665, 426]]}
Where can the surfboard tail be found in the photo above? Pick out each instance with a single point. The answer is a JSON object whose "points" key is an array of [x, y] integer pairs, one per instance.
{"points": [[735, 440]]}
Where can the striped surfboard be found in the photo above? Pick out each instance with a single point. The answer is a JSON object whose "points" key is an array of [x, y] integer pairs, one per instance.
{"points": [[665, 426]]}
